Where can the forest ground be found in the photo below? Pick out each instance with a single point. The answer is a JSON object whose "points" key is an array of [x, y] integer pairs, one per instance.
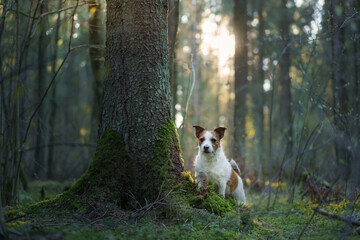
{"points": [[282, 221]]}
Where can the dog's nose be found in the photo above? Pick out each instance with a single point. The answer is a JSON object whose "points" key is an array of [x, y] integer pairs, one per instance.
{"points": [[206, 148]]}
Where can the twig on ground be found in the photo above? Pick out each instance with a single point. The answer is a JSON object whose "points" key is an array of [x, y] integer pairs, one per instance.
{"points": [[99, 218], [337, 217], [307, 224], [14, 233], [14, 218]]}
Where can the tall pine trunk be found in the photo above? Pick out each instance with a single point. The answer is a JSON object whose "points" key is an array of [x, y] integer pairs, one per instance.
{"points": [[52, 117], [339, 88], [95, 38], [259, 92], [284, 77], [39, 168], [138, 153], [241, 72]]}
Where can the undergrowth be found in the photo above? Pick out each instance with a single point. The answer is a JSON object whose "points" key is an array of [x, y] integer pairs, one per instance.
{"points": [[185, 214]]}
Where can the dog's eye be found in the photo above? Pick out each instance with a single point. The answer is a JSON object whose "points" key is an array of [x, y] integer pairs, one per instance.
{"points": [[202, 139], [213, 140]]}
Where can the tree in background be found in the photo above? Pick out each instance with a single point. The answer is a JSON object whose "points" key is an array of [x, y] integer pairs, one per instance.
{"points": [[284, 76], [39, 168], [241, 73], [95, 39], [54, 107], [173, 22], [259, 90]]}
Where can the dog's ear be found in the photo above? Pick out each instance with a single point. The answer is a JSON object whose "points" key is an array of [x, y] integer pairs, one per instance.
{"points": [[198, 130], [220, 131]]}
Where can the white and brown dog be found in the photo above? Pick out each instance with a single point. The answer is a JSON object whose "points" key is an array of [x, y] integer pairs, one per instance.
{"points": [[211, 163]]}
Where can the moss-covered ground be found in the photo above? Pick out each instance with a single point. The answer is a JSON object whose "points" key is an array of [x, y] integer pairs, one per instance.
{"points": [[188, 215]]}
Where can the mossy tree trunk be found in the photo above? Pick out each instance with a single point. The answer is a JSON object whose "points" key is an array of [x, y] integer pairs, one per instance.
{"points": [[138, 152]]}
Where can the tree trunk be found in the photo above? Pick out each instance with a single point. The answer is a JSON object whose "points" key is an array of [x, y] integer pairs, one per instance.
{"points": [[284, 77], [356, 156], [95, 33], [259, 92], [39, 168], [339, 87], [173, 22], [138, 150], [3, 230], [241, 72], [196, 60], [50, 160]]}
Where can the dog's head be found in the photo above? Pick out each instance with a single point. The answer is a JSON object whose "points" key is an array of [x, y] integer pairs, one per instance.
{"points": [[209, 141]]}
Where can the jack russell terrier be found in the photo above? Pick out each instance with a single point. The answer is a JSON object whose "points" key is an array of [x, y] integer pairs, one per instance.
{"points": [[211, 163]]}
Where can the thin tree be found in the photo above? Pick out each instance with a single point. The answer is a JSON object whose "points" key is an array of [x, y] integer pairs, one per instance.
{"points": [[340, 97], [3, 230], [259, 92], [356, 101], [39, 167], [173, 22], [95, 38], [284, 76], [196, 59], [241, 72], [53, 112]]}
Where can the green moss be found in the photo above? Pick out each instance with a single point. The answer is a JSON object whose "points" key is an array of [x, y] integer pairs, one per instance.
{"points": [[164, 170], [109, 177], [106, 180], [109, 173], [187, 193]]}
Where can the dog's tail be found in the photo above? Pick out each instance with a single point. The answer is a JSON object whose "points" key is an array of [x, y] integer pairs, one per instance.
{"points": [[235, 166]]}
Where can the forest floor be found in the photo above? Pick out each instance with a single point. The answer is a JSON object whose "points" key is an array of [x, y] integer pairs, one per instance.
{"points": [[281, 221]]}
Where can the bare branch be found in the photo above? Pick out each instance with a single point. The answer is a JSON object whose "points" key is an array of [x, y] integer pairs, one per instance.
{"points": [[47, 13], [337, 217]]}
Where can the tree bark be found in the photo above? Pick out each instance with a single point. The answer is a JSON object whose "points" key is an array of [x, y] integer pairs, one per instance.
{"points": [[196, 60], [339, 88], [95, 33], [39, 168], [138, 151], [3, 230], [284, 77], [356, 155], [241, 72], [173, 22], [259, 92], [50, 160]]}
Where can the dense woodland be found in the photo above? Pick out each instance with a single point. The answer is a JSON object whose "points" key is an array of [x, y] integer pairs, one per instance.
{"points": [[112, 89]]}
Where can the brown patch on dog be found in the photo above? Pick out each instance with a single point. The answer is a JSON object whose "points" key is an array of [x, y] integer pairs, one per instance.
{"points": [[215, 140], [237, 171], [220, 131], [233, 182], [200, 139], [199, 131]]}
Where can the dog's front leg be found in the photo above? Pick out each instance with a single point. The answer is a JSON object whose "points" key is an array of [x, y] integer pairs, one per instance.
{"points": [[200, 178], [222, 187]]}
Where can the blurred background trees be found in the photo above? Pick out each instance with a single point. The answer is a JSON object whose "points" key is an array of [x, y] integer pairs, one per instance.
{"points": [[282, 76]]}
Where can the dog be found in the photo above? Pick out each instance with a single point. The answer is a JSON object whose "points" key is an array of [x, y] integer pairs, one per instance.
{"points": [[211, 163]]}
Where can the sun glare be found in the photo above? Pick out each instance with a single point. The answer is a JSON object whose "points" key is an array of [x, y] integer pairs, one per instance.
{"points": [[217, 39]]}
